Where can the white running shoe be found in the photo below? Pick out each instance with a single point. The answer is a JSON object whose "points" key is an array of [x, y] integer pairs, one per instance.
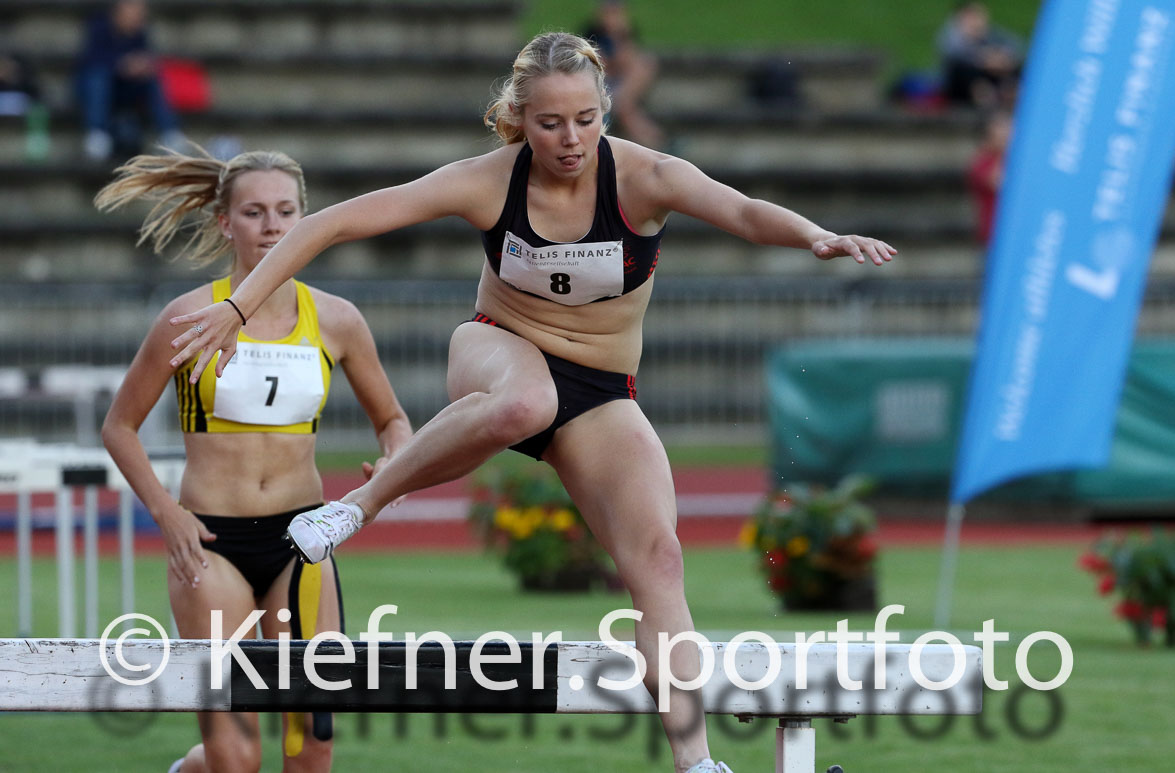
{"points": [[175, 766], [315, 534], [710, 766]]}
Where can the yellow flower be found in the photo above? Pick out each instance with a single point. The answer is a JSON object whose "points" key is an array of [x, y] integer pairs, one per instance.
{"points": [[747, 534], [514, 522], [533, 517], [506, 517], [798, 545], [522, 529], [561, 520]]}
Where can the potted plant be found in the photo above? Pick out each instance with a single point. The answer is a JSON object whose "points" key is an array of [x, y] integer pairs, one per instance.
{"points": [[816, 546], [1141, 568], [525, 515]]}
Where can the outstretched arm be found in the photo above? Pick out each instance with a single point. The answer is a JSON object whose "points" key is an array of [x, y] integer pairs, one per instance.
{"points": [[450, 190], [675, 185]]}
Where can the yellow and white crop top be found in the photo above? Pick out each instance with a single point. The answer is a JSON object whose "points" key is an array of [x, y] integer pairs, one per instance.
{"points": [[268, 386]]}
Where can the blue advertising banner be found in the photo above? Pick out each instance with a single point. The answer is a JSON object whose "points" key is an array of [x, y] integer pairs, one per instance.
{"points": [[1087, 178]]}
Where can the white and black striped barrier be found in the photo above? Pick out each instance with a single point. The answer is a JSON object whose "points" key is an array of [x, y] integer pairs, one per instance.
{"points": [[792, 682]]}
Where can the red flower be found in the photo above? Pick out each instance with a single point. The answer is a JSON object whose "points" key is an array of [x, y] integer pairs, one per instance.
{"points": [[775, 559], [1130, 610], [1159, 617], [1092, 562], [1106, 585], [866, 548], [778, 582]]}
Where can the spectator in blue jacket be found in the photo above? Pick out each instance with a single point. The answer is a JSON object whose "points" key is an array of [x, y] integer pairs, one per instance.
{"points": [[119, 87], [981, 62]]}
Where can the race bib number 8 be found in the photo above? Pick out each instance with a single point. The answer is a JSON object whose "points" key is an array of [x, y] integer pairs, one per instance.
{"points": [[272, 384], [571, 274]]}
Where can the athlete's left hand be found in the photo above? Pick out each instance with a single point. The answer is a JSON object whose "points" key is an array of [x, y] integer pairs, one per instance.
{"points": [[859, 248], [370, 469]]}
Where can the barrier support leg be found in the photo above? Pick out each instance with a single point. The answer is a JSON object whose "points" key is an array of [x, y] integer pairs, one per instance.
{"points": [[90, 559], [126, 549], [66, 614], [795, 746], [24, 564]]}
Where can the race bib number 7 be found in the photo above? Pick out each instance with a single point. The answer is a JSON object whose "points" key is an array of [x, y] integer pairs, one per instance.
{"points": [[272, 384], [571, 274]]}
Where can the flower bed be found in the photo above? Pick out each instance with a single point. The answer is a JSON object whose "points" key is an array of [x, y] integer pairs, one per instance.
{"points": [[1140, 568], [525, 515], [816, 547]]}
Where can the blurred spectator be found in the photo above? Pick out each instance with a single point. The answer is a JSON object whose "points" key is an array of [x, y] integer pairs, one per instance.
{"points": [[630, 71], [18, 85], [981, 63], [775, 84], [20, 95], [918, 91], [119, 89], [986, 172]]}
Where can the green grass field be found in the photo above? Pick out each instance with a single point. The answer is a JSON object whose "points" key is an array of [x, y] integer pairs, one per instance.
{"points": [[1114, 714]]}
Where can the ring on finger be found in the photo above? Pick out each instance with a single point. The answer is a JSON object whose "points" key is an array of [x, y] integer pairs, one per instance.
{"points": [[198, 328]]}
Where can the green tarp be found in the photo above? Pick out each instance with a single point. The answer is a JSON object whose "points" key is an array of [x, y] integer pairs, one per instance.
{"points": [[892, 409]]}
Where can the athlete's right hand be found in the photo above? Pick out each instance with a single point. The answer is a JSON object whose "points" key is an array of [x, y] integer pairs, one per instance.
{"points": [[182, 533], [210, 330]]}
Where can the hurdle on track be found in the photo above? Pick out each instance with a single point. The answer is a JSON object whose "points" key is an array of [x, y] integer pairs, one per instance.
{"points": [[28, 468], [427, 676]]}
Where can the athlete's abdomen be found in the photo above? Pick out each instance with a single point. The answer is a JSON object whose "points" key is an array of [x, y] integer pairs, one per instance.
{"points": [[249, 473], [604, 335]]}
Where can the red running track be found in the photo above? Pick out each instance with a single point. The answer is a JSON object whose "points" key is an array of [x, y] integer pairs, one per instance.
{"points": [[713, 504]]}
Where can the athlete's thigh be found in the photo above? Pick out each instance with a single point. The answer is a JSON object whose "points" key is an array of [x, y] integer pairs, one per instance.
{"points": [[223, 593], [317, 593], [222, 588], [615, 468], [486, 358]]}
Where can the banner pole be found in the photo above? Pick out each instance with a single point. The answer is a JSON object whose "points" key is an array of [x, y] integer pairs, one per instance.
{"points": [[946, 577]]}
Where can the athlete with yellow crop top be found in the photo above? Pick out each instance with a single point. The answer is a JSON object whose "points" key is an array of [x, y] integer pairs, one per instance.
{"points": [[271, 386], [571, 224], [249, 435]]}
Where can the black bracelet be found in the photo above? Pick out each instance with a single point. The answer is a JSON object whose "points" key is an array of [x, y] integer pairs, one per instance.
{"points": [[229, 301]]}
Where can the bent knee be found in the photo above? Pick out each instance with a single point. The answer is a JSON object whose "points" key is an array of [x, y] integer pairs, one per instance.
{"points": [[524, 413], [657, 565], [665, 559]]}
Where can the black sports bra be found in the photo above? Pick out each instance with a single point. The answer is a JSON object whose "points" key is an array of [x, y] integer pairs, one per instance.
{"points": [[609, 261]]}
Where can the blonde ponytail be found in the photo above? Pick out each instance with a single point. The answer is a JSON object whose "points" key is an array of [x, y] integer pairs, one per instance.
{"points": [[184, 186]]}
